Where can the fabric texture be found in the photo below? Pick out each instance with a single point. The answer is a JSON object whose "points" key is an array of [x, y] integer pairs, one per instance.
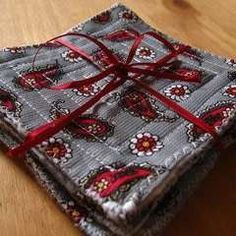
{"points": [[129, 158]]}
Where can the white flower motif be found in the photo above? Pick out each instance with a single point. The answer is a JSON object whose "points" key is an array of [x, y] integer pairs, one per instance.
{"points": [[230, 91], [87, 90], [145, 53], [77, 28], [56, 149], [231, 62], [31, 81], [128, 16], [101, 185], [71, 56], [145, 144], [177, 92], [228, 112], [15, 50]]}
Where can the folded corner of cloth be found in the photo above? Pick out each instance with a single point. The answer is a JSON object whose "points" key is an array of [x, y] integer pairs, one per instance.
{"points": [[118, 121]]}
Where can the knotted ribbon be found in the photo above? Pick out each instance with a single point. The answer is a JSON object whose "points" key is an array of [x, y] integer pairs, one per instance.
{"points": [[122, 72]]}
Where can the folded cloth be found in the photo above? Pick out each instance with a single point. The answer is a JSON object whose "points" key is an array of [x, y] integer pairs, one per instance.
{"points": [[124, 156], [161, 215]]}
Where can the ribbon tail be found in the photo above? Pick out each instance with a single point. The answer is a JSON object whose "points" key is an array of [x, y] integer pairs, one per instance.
{"points": [[178, 109], [165, 74], [84, 82], [46, 131], [35, 137]]}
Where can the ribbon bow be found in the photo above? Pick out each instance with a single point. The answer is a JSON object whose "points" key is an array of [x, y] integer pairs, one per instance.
{"points": [[122, 72]]}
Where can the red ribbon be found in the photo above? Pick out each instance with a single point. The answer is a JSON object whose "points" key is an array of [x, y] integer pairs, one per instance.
{"points": [[121, 73]]}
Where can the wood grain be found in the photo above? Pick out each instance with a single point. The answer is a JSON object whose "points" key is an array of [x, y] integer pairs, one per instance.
{"points": [[208, 24]]}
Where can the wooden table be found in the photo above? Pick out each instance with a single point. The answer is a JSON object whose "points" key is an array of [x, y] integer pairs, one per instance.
{"points": [[209, 24]]}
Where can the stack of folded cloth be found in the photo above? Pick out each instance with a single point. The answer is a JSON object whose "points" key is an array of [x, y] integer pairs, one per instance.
{"points": [[126, 164]]}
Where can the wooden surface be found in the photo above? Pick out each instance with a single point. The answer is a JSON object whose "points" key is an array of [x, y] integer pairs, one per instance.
{"points": [[209, 24]]}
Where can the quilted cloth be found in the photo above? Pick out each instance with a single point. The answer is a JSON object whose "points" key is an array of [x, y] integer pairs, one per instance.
{"points": [[129, 160]]}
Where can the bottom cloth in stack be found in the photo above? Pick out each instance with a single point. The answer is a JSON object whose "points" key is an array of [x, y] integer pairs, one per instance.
{"points": [[158, 218]]}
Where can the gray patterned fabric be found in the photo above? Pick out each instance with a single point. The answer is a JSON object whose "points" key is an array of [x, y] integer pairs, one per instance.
{"points": [[161, 215], [121, 157]]}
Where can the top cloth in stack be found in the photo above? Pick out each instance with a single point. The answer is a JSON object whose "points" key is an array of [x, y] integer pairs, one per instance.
{"points": [[121, 156]]}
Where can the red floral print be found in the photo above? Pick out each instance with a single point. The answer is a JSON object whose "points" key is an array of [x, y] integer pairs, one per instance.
{"points": [[139, 104], [214, 116], [90, 128], [101, 185], [145, 144], [231, 62], [87, 90], [86, 127], [102, 18], [57, 150], [71, 56], [177, 92], [128, 16], [230, 91], [145, 53], [15, 50], [114, 180], [39, 78], [190, 74]]}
